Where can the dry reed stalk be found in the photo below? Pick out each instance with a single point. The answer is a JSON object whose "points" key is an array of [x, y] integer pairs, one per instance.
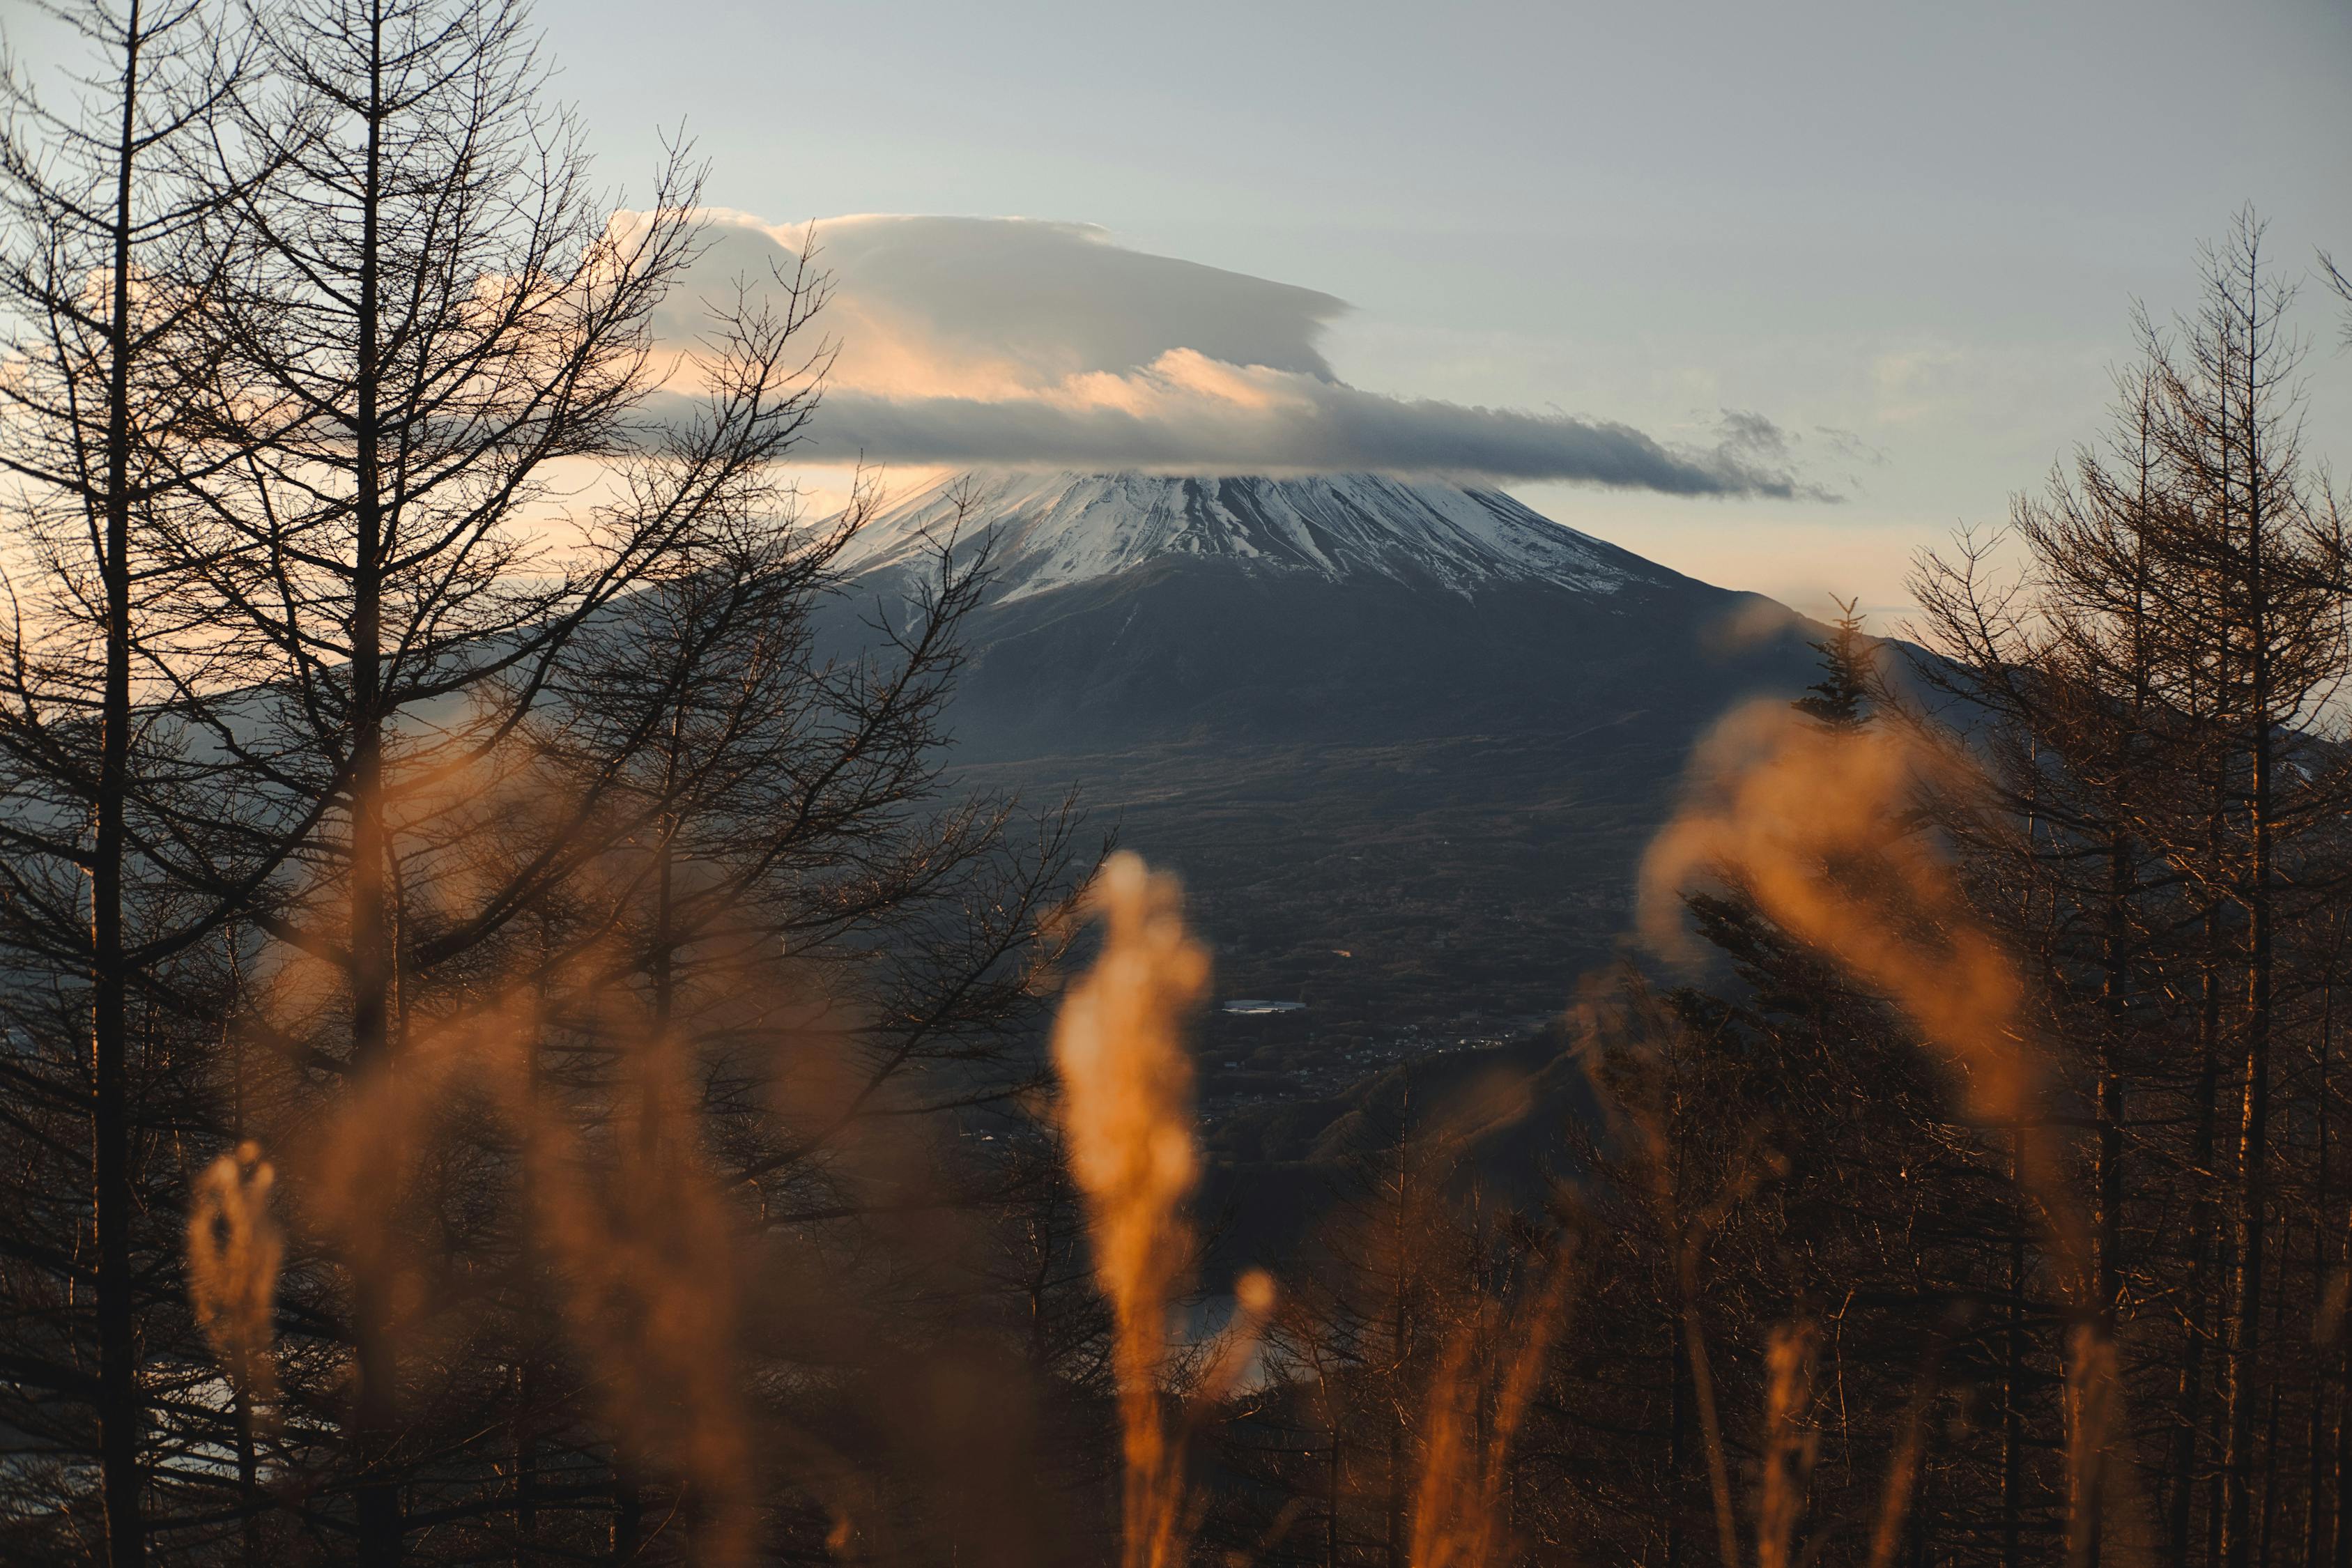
{"points": [[1255, 1297], [2327, 1322], [1903, 1472], [1630, 1018], [643, 1249], [1459, 1518], [234, 1250], [2090, 1414], [1816, 825], [1791, 1443], [633, 1231], [1711, 1430], [353, 1169], [1126, 1109]]}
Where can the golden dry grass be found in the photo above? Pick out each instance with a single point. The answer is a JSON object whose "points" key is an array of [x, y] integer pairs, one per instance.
{"points": [[1126, 1112], [235, 1248], [1812, 824]]}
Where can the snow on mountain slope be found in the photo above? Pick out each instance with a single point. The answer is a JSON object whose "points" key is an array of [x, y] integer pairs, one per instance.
{"points": [[1051, 530]]}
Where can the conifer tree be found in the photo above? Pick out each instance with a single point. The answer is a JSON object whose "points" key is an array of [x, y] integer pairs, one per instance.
{"points": [[1836, 700]]}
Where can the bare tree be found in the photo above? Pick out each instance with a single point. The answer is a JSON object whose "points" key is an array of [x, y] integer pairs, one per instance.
{"points": [[2154, 695], [101, 285], [432, 454]]}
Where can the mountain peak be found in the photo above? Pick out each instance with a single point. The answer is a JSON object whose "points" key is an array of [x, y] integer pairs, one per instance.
{"points": [[1049, 531]]}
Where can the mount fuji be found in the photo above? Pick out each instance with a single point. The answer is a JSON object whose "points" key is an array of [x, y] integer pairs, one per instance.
{"points": [[1131, 608], [1404, 740]]}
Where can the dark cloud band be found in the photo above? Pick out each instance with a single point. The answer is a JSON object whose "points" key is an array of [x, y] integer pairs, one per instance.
{"points": [[1336, 428]]}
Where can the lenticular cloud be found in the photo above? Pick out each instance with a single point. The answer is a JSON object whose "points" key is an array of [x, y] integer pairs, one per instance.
{"points": [[1012, 342]]}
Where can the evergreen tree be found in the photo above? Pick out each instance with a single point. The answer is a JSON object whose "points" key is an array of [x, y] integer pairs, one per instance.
{"points": [[1838, 697]]}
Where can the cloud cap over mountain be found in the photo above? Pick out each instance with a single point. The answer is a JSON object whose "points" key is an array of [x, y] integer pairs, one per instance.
{"points": [[1013, 341]]}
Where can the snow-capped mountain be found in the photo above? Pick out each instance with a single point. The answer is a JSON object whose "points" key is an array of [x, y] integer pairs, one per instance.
{"points": [[1053, 531], [1127, 607], [1404, 740]]}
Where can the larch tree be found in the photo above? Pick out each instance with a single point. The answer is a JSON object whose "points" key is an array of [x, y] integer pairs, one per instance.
{"points": [[434, 455], [103, 288]]}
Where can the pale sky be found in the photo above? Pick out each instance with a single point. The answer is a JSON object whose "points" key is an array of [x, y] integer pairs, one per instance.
{"points": [[1909, 236]]}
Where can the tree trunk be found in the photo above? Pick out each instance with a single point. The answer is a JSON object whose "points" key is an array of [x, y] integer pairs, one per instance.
{"points": [[1331, 1480], [374, 966], [1675, 1439], [628, 1518], [2109, 1175], [1400, 1328], [2315, 1446], [2012, 1428], [2340, 1532], [2204, 1217], [2253, 1139], [121, 1418]]}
